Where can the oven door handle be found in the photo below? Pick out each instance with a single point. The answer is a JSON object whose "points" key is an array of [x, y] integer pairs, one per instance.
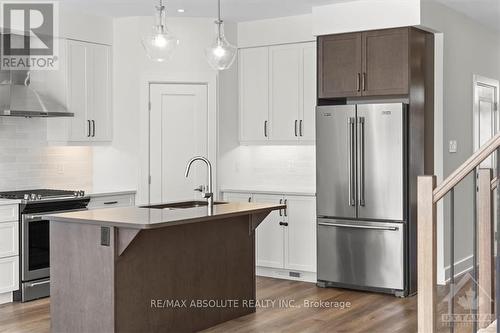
{"points": [[39, 217]]}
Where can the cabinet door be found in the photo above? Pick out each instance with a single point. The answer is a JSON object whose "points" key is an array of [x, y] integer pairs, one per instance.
{"points": [[254, 94], [270, 235], [285, 91], [307, 118], [300, 241], [385, 64], [79, 71], [100, 113], [9, 274], [9, 239], [339, 65]]}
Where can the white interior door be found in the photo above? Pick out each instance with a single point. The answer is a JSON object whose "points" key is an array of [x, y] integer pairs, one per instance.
{"points": [[485, 114], [178, 131]]}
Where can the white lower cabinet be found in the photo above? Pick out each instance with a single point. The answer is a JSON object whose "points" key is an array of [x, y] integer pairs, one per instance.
{"points": [[9, 274], [286, 239], [9, 251], [111, 200]]}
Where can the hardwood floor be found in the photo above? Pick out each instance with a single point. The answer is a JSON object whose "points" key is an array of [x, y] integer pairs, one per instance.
{"points": [[368, 312]]}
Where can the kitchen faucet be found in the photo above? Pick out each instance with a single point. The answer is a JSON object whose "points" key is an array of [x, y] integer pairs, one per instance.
{"points": [[208, 194]]}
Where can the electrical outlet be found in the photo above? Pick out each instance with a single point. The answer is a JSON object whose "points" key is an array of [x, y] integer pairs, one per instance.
{"points": [[60, 169], [453, 146]]}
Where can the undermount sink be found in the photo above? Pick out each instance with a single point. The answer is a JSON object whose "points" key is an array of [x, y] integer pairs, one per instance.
{"points": [[182, 205]]}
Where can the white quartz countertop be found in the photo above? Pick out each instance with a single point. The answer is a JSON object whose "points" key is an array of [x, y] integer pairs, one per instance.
{"points": [[111, 193], [4, 202], [151, 218]]}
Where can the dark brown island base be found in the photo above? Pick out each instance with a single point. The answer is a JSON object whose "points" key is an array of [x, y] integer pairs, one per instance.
{"points": [[136, 269]]}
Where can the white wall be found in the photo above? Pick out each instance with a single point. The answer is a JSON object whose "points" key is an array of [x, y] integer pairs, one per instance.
{"points": [[360, 15], [116, 166], [28, 162], [77, 25], [282, 30], [468, 48]]}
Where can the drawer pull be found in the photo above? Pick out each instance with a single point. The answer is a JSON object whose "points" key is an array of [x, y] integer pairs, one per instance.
{"points": [[285, 224], [111, 202]]}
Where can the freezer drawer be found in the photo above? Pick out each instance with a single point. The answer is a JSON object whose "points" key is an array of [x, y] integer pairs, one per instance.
{"points": [[363, 254]]}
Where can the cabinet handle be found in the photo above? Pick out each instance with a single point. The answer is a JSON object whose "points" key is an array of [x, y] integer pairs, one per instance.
{"points": [[295, 128], [358, 82], [265, 128], [281, 202], [285, 224], [285, 210], [364, 81], [93, 128], [88, 129], [300, 127], [249, 199], [111, 202]]}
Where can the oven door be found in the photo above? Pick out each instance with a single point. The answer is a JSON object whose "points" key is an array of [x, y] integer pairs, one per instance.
{"points": [[35, 248]]}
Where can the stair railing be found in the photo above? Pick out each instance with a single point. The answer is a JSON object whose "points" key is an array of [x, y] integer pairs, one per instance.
{"points": [[429, 194]]}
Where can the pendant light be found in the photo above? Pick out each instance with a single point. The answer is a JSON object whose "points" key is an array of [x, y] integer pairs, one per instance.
{"points": [[221, 54], [160, 44]]}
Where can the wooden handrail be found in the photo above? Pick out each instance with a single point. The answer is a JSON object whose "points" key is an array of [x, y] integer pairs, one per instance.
{"points": [[494, 183], [472, 162]]}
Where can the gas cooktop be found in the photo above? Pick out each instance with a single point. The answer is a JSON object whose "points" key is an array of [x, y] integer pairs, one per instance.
{"points": [[41, 194]]}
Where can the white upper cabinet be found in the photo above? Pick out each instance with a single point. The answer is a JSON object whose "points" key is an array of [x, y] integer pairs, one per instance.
{"points": [[285, 91], [278, 93], [254, 94], [88, 70], [100, 112]]}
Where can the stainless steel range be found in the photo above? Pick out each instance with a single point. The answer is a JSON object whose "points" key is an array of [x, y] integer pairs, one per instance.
{"points": [[34, 235]]}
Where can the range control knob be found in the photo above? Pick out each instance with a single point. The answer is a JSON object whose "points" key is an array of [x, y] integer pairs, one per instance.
{"points": [[82, 193], [33, 196], [26, 196]]}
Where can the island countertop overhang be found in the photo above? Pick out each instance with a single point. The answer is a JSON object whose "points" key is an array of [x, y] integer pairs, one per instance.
{"points": [[151, 218]]}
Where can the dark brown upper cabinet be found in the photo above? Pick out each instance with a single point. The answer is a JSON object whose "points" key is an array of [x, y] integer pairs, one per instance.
{"points": [[372, 63], [339, 65]]}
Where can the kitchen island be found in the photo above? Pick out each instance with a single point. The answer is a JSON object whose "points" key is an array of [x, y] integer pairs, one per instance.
{"points": [[135, 269]]}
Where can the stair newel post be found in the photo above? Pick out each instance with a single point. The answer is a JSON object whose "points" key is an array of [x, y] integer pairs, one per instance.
{"points": [[427, 254], [485, 247]]}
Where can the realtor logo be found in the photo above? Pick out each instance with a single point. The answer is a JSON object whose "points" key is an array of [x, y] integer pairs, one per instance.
{"points": [[29, 36]]}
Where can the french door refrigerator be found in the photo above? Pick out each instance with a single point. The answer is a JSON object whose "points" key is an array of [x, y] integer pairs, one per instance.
{"points": [[361, 196]]}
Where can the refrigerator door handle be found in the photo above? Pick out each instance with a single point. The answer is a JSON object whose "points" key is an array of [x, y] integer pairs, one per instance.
{"points": [[351, 161], [358, 226], [361, 179]]}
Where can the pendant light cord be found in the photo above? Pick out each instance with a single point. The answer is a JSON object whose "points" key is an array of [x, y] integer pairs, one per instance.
{"points": [[219, 21]]}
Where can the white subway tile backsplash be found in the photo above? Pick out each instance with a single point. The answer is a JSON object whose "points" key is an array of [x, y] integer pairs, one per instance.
{"points": [[27, 161]]}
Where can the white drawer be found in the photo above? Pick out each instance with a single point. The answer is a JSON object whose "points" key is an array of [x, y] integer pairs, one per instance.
{"points": [[9, 239], [9, 274], [9, 213], [112, 201]]}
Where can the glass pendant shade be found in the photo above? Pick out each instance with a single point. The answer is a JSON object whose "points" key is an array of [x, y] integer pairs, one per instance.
{"points": [[221, 54], [160, 44]]}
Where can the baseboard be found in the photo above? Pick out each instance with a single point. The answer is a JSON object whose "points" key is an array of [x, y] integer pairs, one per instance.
{"points": [[6, 298], [461, 267], [280, 273]]}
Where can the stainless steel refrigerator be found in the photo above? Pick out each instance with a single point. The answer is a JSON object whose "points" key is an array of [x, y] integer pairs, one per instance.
{"points": [[362, 196]]}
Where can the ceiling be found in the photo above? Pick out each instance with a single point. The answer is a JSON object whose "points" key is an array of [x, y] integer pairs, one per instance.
{"points": [[484, 11], [232, 10]]}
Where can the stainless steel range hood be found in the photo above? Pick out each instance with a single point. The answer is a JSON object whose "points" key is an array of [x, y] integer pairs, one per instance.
{"points": [[19, 99]]}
